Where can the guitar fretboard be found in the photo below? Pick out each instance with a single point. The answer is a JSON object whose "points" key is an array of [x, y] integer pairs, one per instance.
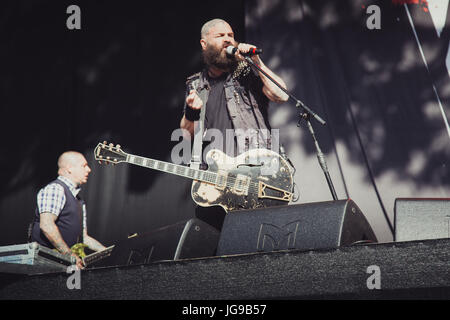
{"points": [[201, 175], [98, 255]]}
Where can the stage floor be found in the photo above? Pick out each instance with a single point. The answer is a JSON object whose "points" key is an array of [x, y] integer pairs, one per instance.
{"points": [[402, 270]]}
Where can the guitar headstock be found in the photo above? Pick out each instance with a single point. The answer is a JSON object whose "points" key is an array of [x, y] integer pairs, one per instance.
{"points": [[109, 153]]}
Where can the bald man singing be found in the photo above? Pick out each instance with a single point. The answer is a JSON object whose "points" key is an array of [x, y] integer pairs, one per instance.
{"points": [[60, 217]]}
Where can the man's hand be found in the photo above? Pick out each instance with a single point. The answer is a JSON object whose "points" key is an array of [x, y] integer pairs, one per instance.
{"points": [[79, 262], [194, 101], [245, 48]]}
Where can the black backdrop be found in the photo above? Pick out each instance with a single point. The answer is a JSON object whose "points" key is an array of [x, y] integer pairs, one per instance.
{"points": [[121, 78]]}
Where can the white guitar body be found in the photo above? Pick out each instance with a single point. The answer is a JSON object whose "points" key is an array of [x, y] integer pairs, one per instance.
{"points": [[254, 179]]}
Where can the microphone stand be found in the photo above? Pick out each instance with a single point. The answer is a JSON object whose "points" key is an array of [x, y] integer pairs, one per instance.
{"points": [[305, 114]]}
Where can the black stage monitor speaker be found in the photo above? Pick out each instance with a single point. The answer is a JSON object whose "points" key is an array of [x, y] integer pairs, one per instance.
{"points": [[421, 218], [304, 226], [186, 239]]}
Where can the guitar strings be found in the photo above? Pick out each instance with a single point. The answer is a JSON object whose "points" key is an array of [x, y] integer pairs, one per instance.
{"points": [[211, 177], [203, 175]]}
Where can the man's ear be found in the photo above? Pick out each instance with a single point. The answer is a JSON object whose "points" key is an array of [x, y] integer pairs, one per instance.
{"points": [[203, 43]]}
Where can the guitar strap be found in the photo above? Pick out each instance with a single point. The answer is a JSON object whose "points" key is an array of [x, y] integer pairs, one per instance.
{"points": [[203, 93]]}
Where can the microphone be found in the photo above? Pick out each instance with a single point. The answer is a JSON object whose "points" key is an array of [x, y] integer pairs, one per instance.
{"points": [[253, 51]]}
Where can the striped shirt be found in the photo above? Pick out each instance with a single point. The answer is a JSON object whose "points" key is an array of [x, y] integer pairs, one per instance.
{"points": [[52, 199]]}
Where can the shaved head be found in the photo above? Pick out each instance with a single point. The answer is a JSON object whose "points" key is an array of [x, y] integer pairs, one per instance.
{"points": [[73, 165], [69, 158], [208, 25]]}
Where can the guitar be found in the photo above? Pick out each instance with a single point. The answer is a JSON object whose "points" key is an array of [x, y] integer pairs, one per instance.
{"points": [[255, 179], [78, 249]]}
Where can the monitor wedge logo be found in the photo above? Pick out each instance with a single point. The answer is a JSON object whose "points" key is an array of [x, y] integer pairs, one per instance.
{"points": [[273, 237]]}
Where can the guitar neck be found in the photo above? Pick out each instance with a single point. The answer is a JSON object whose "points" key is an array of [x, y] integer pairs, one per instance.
{"points": [[183, 171], [97, 255]]}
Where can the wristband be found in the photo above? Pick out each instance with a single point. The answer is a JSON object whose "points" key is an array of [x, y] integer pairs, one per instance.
{"points": [[192, 114]]}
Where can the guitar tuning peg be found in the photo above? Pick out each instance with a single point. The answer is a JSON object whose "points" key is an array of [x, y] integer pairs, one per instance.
{"points": [[118, 146], [104, 142], [100, 162]]}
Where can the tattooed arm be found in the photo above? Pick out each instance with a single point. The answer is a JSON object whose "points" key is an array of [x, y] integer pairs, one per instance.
{"points": [[92, 243], [272, 91], [51, 231], [88, 240]]}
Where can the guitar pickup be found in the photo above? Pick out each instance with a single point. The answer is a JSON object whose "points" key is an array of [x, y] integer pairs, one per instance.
{"points": [[221, 180], [241, 184]]}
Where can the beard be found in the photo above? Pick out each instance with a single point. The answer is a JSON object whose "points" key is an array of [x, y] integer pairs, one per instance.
{"points": [[219, 58]]}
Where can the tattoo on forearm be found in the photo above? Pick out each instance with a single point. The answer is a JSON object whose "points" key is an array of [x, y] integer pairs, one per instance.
{"points": [[54, 236], [93, 244]]}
